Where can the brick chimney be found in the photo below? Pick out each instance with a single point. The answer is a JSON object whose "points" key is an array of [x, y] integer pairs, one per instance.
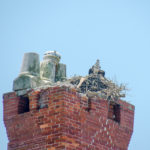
{"points": [[62, 117]]}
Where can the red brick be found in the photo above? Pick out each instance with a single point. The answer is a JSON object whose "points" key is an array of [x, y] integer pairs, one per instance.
{"points": [[68, 122]]}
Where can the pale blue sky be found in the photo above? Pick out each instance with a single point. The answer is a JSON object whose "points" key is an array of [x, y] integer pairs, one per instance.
{"points": [[115, 31]]}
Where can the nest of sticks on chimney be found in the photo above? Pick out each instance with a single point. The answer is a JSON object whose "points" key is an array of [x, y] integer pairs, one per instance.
{"points": [[95, 84]]}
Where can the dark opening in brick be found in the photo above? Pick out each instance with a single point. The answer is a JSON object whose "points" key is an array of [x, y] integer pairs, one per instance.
{"points": [[114, 111], [23, 105], [89, 105]]}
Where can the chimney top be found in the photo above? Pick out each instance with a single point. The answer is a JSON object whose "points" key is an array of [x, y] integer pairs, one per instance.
{"points": [[52, 53]]}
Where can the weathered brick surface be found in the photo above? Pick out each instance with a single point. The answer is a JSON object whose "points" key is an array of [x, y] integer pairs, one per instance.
{"points": [[66, 121]]}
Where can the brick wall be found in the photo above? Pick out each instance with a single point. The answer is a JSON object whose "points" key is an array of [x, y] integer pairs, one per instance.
{"points": [[59, 118]]}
